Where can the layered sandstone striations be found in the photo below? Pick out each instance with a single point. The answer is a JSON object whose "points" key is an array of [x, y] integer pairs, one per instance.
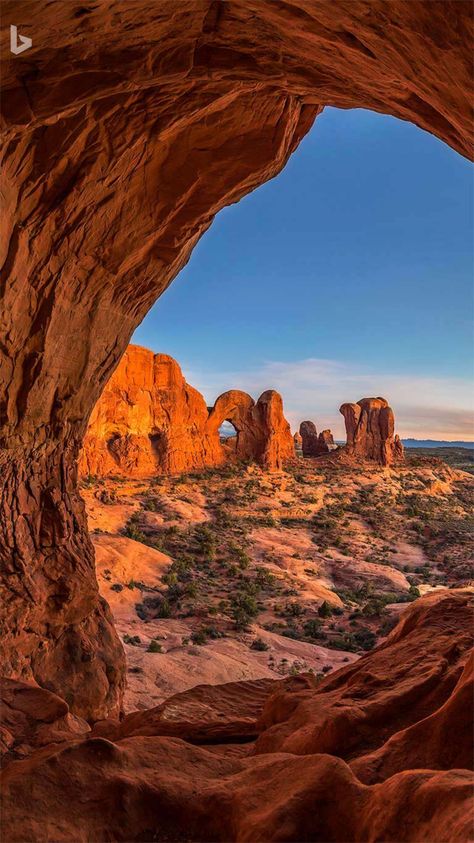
{"points": [[149, 421], [117, 154], [380, 750], [370, 426]]}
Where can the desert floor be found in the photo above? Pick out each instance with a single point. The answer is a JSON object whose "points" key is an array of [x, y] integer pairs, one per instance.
{"points": [[235, 573]]}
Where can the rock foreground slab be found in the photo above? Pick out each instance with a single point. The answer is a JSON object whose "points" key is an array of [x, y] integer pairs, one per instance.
{"points": [[380, 750]]}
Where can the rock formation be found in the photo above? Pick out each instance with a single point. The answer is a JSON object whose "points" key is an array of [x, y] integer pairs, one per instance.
{"points": [[380, 750], [309, 438], [370, 431], [325, 442], [117, 153], [312, 444], [263, 434], [298, 440], [149, 421]]}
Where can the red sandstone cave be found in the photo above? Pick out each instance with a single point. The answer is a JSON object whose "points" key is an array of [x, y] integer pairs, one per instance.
{"points": [[125, 129]]}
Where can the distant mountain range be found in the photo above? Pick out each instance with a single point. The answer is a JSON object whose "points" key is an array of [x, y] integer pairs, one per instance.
{"points": [[435, 443]]}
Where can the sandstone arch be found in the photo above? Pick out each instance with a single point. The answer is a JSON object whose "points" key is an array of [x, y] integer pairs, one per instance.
{"points": [[125, 130], [263, 434]]}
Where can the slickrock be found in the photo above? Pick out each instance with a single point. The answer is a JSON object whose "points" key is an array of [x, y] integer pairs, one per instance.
{"points": [[333, 760], [32, 717], [370, 431], [356, 710]]}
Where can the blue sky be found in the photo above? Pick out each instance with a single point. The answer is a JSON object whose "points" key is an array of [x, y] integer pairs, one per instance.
{"points": [[348, 274]]}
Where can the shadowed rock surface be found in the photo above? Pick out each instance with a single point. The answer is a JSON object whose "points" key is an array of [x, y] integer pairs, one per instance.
{"points": [[351, 741], [309, 439]]}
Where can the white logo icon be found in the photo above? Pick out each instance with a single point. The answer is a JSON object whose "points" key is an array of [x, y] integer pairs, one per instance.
{"points": [[18, 43]]}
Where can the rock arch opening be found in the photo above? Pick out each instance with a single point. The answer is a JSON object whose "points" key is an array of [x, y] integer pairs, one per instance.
{"points": [[115, 162]]}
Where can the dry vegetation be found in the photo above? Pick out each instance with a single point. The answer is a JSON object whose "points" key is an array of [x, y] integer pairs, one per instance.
{"points": [[274, 573]]}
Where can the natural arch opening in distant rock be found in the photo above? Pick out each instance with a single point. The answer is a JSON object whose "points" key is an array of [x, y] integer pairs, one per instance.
{"points": [[115, 161]]}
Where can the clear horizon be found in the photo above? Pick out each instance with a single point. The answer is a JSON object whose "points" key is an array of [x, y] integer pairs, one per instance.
{"points": [[348, 275]]}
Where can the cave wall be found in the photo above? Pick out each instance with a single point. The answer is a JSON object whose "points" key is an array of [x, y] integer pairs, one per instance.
{"points": [[125, 129]]}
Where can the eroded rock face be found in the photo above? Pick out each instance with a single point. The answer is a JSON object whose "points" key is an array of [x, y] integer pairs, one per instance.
{"points": [[370, 431], [117, 154], [262, 432], [325, 442], [381, 750], [149, 421]]}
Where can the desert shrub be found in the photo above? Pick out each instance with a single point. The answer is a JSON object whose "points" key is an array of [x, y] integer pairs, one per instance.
{"points": [[365, 638], [134, 640], [131, 531], [313, 629], [244, 610], [265, 579], [324, 610], [211, 632], [154, 646], [199, 637], [294, 610], [258, 644], [150, 504], [163, 610], [116, 587], [292, 632]]}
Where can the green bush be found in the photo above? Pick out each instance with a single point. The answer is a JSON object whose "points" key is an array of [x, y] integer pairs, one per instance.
{"points": [[325, 610], [313, 629], [134, 640], [365, 638], [258, 644], [244, 610], [154, 647]]}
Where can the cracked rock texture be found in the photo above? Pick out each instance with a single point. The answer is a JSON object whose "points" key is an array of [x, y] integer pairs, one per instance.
{"points": [[125, 129]]}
